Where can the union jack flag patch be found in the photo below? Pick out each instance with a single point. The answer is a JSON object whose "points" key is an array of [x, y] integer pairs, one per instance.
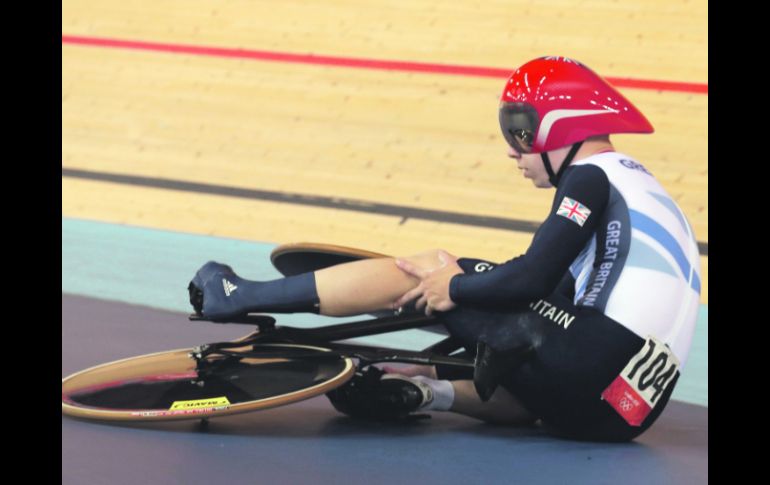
{"points": [[574, 211]]}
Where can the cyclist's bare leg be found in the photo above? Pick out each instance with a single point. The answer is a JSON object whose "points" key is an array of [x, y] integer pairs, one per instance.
{"points": [[502, 407], [412, 370], [367, 285]]}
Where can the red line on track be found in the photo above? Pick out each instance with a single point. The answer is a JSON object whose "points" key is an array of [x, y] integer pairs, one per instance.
{"points": [[358, 63]]}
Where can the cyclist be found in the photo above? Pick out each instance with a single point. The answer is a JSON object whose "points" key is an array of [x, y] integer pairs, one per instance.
{"points": [[605, 297]]}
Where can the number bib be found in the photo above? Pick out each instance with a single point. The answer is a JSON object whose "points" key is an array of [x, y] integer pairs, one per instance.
{"points": [[635, 391]]}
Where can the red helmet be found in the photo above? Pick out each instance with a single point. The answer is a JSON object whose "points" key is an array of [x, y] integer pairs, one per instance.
{"points": [[553, 102]]}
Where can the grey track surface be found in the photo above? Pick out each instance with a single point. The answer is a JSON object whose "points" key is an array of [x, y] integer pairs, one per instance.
{"points": [[309, 442]]}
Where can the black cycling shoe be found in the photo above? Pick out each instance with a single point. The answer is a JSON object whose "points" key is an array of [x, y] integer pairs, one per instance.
{"points": [[375, 396], [214, 292]]}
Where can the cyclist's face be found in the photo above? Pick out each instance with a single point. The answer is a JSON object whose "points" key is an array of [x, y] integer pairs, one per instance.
{"points": [[531, 166]]}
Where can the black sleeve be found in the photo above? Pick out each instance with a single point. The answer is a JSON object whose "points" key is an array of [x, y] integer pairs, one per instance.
{"points": [[554, 247]]}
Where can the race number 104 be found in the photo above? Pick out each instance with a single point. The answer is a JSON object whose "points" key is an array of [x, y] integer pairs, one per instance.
{"points": [[651, 370]]}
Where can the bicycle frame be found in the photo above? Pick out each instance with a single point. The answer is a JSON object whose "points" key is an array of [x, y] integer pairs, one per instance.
{"points": [[327, 336], [488, 366]]}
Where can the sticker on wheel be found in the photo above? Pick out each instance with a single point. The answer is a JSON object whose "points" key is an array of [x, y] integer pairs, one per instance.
{"points": [[210, 403]]}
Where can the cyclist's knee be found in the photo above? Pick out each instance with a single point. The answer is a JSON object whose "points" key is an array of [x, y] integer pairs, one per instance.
{"points": [[426, 260]]}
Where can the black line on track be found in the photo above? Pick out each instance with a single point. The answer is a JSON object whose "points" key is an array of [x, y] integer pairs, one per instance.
{"points": [[404, 212]]}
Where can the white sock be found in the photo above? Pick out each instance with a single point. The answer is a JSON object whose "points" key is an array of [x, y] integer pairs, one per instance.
{"points": [[443, 394]]}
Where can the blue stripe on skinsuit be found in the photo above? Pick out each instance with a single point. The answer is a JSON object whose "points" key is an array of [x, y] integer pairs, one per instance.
{"points": [[576, 267], [644, 256], [648, 226], [581, 291], [671, 206]]}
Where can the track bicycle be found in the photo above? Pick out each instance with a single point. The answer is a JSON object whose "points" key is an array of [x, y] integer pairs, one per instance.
{"points": [[272, 366]]}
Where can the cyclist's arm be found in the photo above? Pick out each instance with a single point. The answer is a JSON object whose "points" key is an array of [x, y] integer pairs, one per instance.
{"points": [[554, 247]]}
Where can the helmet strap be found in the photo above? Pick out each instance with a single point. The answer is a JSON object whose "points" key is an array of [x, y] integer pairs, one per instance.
{"points": [[555, 177]]}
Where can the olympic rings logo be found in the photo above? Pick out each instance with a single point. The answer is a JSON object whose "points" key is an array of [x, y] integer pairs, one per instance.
{"points": [[625, 404]]}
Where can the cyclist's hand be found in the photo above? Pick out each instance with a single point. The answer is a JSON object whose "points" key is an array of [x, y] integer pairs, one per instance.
{"points": [[432, 293]]}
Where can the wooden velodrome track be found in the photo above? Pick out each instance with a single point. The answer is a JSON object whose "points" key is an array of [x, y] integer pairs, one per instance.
{"points": [[380, 137]]}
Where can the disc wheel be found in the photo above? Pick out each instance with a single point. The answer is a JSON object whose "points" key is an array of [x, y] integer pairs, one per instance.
{"points": [[166, 386]]}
